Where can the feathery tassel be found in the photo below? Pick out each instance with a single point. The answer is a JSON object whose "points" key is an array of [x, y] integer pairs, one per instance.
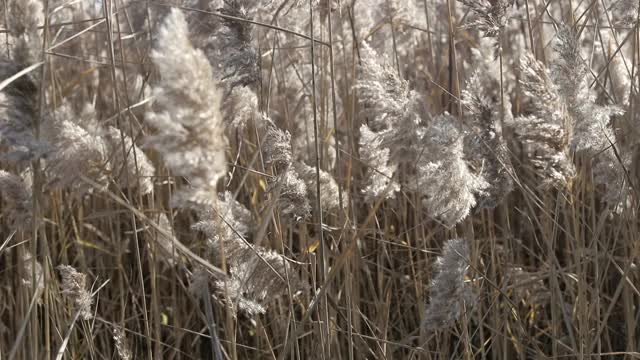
{"points": [[74, 285], [186, 112], [450, 293]]}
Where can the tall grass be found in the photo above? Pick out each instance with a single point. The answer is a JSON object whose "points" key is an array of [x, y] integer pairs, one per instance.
{"points": [[333, 179]]}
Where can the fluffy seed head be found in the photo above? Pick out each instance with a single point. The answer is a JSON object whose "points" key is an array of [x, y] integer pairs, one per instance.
{"points": [[122, 346], [74, 285], [255, 274], [328, 186], [277, 148], [131, 167], [485, 146], [449, 290], [546, 133], [186, 115], [241, 59], [75, 151], [593, 135], [490, 16], [443, 176], [384, 97]]}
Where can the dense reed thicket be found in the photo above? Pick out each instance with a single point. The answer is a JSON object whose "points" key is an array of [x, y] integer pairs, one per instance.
{"points": [[321, 179]]}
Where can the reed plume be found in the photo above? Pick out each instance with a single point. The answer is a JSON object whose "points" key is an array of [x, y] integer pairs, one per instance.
{"points": [[378, 158], [121, 344], [395, 118], [241, 59], [448, 186], [592, 131], [256, 274], [289, 189], [485, 146], [450, 293], [546, 132], [186, 112], [490, 16], [74, 286], [130, 165], [328, 186], [75, 152]]}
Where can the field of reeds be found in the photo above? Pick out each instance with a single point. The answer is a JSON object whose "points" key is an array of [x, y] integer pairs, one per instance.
{"points": [[319, 179]]}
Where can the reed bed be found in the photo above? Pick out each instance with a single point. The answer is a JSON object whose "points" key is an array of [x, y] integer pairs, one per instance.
{"points": [[319, 179]]}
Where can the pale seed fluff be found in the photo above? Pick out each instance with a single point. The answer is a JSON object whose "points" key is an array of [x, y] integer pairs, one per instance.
{"points": [[328, 186], [240, 107], [393, 130], [256, 275], [292, 193], [80, 146], [289, 189], [233, 288], [485, 146], [380, 170], [186, 111], [619, 69], [609, 173], [489, 16], [74, 286], [444, 179], [546, 146], [122, 345], [382, 94], [546, 132], [237, 218], [484, 59], [277, 148], [240, 60], [486, 64], [386, 99], [570, 73], [131, 167], [26, 15], [593, 135], [450, 293], [75, 152]]}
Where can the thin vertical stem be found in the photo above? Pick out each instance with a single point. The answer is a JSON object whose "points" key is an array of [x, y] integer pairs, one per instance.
{"points": [[454, 81], [6, 24], [107, 9], [338, 178], [533, 48], [393, 37], [323, 246], [38, 238]]}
